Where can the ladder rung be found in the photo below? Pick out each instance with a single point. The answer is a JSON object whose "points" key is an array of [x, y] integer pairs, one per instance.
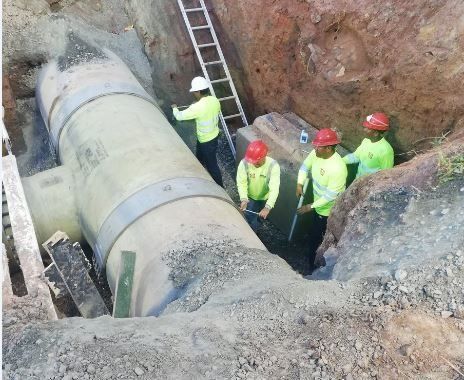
{"points": [[193, 9], [226, 98], [219, 80], [206, 45], [213, 63], [200, 27], [231, 116]]}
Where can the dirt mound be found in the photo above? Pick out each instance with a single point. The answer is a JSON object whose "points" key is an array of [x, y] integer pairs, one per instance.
{"points": [[401, 216]]}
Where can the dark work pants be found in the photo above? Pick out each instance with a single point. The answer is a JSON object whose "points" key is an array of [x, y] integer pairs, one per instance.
{"points": [[206, 154], [254, 220], [317, 235]]}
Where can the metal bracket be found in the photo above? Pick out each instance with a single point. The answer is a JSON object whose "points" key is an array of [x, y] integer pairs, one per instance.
{"points": [[142, 202], [73, 103]]}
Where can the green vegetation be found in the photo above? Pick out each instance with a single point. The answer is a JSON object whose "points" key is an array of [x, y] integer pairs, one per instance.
{"points": [[450, 167]]}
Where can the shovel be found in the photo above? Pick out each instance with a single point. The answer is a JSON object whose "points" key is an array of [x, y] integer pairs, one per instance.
{"points": [[300, 203]]}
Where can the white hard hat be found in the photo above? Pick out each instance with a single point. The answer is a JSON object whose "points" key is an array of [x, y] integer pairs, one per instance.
{"points": [[198, 84]]}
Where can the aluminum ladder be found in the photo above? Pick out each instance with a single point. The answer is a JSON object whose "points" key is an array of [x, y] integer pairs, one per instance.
{"points": [[221, 62]]}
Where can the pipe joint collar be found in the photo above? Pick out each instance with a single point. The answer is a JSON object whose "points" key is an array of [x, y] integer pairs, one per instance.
{"points": [[72, 104], [141, 203]]}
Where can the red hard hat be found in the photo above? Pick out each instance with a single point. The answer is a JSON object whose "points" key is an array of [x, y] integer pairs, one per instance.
{"points": [[256, 151], [377, 121], [326, 137]]}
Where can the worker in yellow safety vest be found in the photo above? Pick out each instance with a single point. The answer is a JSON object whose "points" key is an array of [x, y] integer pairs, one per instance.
{"points": [[374, 153], [328, 173], [258, 183], [206, 114]]}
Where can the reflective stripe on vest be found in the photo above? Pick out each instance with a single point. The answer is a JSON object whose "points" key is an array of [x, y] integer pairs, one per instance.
{"points": [[366, 169], [323, 191], [351, 158], [303, 168], [208, 126]]}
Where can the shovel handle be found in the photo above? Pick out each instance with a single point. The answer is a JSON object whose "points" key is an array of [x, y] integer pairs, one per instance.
{"points": [[300, 203]]}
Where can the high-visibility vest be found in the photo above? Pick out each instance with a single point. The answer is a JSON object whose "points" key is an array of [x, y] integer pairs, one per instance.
{"points": [[328, 178], [371, 156], [206, 114], [261, 183]]}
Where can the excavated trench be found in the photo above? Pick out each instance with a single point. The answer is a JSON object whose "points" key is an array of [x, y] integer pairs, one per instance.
{"points": [[240, 312], [31, 139]]}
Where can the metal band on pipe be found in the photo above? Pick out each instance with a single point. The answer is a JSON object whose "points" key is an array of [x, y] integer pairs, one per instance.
{"points": [[144, 201], [74, 102]]}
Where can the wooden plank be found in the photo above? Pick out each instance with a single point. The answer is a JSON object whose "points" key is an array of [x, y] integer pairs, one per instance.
{"points": [[55, 281], [123, 292], [24, 236], [72, 266]]}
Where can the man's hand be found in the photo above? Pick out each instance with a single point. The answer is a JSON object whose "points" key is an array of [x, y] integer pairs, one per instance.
{"points": [[299, 190], [304, 209], [173, 105], [243, 205], [264, 213]]}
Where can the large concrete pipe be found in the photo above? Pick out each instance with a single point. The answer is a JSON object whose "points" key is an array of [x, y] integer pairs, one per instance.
{"points": [[127, 180]]}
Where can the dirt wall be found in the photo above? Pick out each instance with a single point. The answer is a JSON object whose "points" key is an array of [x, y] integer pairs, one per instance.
{"points": [[332, 62]]}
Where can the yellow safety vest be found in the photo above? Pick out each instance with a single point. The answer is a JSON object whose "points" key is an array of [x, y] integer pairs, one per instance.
{"points": [[328, 177], [206, 114], [261, 183], [371, 157]]}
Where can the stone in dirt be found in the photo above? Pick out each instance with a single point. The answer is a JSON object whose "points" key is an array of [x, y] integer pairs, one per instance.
{"points": [[400, 275]]}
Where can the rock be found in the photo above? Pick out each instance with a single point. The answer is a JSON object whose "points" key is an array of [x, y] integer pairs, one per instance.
{"points": [[138, 371], [363, 362], [445, 211], [403, 289], [377, 294], [242, 360], [404, 302], [406, 350], [347, 368], [400, 275], [446, 314], [449, 272], [358, 345], [315, 18], [459, 312], [97, 6], [91, 369]]}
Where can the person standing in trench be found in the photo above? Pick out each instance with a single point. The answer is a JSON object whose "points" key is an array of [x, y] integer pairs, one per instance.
{"points": [[328, 174], [258, 183], [205, 111], [375, 153]]}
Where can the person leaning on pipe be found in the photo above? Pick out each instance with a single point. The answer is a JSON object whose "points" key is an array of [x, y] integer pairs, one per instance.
{"points": [[205, 111], [328, 173], [374, 153], [258, 183]]}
